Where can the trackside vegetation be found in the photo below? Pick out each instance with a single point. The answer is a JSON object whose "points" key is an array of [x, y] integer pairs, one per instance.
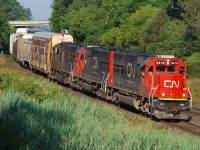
{"points": [[36, 114], [169, 27], [164, 27]]}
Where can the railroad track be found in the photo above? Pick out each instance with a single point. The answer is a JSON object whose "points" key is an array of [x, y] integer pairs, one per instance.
{"points": [[184, 126], [195, 111]]}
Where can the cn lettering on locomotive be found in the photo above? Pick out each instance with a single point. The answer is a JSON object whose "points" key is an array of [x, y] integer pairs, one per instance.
{"points": [[171, 84]]}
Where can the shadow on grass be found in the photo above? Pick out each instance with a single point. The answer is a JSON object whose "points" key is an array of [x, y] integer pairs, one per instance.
{"points": [[26, 126]]}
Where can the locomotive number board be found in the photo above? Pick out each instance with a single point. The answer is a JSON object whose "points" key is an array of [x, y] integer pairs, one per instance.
{"points": [[172, 63], [158, 62], [175, 63]]}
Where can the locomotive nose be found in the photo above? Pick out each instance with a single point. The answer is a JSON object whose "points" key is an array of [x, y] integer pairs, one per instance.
{"points": [[170, 86]]}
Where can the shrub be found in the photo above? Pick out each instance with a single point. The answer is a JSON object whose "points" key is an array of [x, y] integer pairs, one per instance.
{"points": [[28, 86], [193, 63]]}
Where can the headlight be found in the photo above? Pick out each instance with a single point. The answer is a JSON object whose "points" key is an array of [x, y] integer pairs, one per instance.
{"points": [[184, 95], [161, 104], [163, 94]]}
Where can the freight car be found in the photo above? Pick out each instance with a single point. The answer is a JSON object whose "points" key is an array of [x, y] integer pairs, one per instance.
{"points": [[24, 46], [14, 41], [41, 49], [152, 84]]}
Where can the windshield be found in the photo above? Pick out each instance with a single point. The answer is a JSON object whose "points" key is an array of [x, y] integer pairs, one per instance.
{"points": [[165, 68]]}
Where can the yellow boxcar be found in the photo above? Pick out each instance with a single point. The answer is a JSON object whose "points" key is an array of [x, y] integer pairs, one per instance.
{"points": [[41, 50]]}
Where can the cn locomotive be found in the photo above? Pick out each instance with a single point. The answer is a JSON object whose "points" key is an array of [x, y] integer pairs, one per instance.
{"points": [[153, 84]]}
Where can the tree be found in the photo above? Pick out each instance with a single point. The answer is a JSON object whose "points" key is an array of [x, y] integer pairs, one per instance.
{"points": [[191, 41], [165, 27], [153, 28], [4, 31], [128, 34], [193, 65], [14, 11], [10, 10], [28, 13], [60, 9]]}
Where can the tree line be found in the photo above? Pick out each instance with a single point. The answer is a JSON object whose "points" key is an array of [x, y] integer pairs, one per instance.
{"points": [[10, 10], [160, 26]]}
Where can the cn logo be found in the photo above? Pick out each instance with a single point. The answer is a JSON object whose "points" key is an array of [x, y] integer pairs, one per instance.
{"points": [[171, 84]]}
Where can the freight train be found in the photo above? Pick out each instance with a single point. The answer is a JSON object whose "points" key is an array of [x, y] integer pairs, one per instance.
{"points": [[153, 84]]}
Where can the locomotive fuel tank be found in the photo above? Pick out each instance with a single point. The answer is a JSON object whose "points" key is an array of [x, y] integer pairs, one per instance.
{"points": [[86, 87], [125, 100]]}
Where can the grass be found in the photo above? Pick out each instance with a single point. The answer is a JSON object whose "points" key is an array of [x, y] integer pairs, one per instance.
{"points": [[195, 90], [49, 119], [66, 123]]}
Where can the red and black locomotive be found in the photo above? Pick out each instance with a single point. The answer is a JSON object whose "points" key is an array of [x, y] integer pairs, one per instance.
{"points": [[153, 84]]}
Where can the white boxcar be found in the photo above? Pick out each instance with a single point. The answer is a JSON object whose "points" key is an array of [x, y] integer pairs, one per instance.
{"points": [[14, 41], [26, 49]]}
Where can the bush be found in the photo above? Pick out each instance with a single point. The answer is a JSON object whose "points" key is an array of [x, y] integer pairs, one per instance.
{"points": [[27, 86], [193, 63]]}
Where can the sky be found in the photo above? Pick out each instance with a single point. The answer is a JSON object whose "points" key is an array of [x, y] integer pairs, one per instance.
{"points": [[40, 9]]}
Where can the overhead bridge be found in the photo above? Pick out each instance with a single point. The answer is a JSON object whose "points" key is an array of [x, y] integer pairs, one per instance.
{"points": [[29, 23]]}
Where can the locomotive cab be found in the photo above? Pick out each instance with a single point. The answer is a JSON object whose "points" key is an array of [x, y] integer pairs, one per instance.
{"points": [[169, 96]]}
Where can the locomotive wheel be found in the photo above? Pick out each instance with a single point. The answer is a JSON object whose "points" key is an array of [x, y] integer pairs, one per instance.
{"points": [[98, 93], [114, 97], [189, 119], [136, 104], [147, 108]]}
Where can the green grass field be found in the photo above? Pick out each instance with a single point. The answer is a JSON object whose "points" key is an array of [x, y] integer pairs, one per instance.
{"points": [[35, 114], [195, 90]]}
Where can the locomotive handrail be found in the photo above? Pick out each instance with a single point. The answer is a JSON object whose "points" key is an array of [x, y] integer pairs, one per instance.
{"points": [[190, 94], [154, 92], [152, 98], [151, 90], [71, 73], [71, 66], [102, 80], [106, 81]]}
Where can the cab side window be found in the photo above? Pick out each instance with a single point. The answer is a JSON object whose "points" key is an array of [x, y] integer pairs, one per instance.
{"points": [[182, 70], [150, 69], [129, 70], [160, 68], [95, 63], [82, 57]]}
